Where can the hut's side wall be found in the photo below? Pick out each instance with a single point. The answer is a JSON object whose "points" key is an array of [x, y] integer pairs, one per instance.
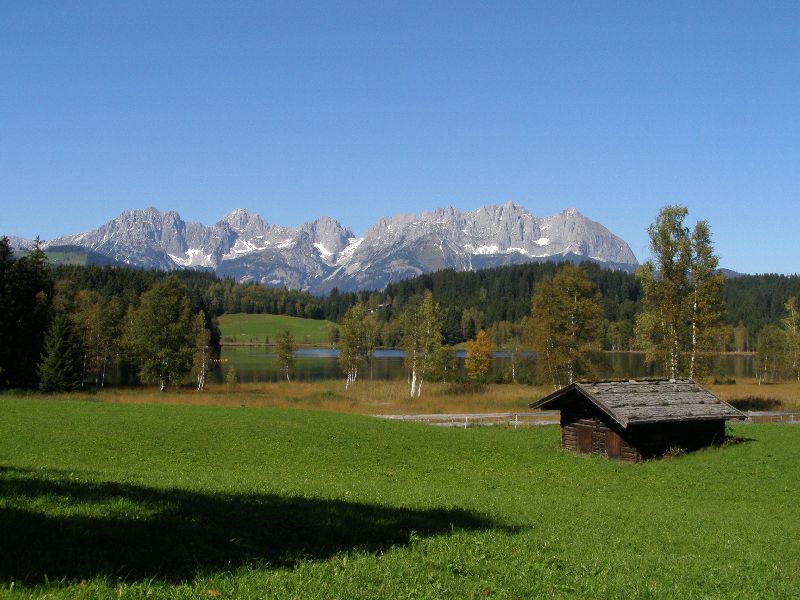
{"points": [[654, 439], [586, 429]]}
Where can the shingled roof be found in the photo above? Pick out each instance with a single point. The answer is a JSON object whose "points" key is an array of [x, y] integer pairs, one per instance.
{"points": [[649, 401]]}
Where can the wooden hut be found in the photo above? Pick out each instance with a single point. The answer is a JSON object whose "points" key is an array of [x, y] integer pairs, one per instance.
{"points": [[634, 420]]}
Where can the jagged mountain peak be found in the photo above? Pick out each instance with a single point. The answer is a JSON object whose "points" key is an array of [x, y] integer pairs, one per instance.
{"points": [[322, 254], [507, 209], [240, 219], [18, 243]]}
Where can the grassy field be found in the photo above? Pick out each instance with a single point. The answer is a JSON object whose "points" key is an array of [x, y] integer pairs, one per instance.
{"points": [[242, 328], [102, 500]]}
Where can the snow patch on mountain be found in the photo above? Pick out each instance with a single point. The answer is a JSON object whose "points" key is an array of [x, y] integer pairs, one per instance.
{"points": [[194, 258], [350, 249]]}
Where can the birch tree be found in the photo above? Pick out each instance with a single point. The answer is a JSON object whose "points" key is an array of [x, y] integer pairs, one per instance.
{"points": [[284, 352], [682, 307], [770, 350], [566, 327], [356, 342], [159, 333], [201, 357], [706, 301], [741, 338], [98, 322], [422, 339], [791, 328], [661, 326]]}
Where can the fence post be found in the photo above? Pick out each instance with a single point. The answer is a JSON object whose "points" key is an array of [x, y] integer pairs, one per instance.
{"points": [[466, 421]]}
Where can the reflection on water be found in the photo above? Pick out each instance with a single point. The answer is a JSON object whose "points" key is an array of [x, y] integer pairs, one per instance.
{"points": [[257, 364]]}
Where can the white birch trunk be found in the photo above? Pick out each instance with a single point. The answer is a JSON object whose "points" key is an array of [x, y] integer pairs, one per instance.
{"points": [[513, 367], [694, 334]]}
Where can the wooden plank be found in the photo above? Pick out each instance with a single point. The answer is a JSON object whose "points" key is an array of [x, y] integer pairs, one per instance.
{"points": [[584, 439], [613, 444]]}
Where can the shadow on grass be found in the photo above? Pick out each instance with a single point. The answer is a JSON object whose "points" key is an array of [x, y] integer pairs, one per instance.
{"points": [[735, 440], [53, 526]]}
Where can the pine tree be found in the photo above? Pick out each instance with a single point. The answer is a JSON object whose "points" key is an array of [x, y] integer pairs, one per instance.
{"points": [[61, 367], [478, 361], [26, 286], [7, 306], [566, 327]]}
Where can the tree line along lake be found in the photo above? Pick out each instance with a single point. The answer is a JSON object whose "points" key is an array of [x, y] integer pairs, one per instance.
{"points": [[255, 364]]}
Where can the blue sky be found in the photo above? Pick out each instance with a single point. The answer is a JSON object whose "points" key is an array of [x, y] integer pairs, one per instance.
{"points": [[358, 110]]}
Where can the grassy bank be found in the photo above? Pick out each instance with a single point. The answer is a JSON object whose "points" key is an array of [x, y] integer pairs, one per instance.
{"points": [[365, 397], [392, 397], [101, 500], [769, 396], [259, 329]]}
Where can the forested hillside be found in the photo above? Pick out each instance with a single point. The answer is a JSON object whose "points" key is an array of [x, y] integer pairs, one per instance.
{"points": [[469, 300], [757, 300]]}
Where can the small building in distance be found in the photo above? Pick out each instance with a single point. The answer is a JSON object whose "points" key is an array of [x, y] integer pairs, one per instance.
{"points": [[636, 420]]}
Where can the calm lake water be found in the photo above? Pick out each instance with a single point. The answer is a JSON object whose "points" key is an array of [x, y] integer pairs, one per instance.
{"points": [[257, 364]]}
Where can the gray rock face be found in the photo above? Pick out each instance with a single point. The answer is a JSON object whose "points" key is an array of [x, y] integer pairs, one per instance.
{"points": [[404, 246], [142, 238], [18, 243], [322, 254]]}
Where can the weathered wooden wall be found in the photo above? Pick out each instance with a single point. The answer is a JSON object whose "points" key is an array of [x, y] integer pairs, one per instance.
{"points": [[586, 429], [584, 419]]}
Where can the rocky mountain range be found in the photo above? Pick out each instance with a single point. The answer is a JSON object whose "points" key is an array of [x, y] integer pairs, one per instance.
{"points": [[322, 254]]}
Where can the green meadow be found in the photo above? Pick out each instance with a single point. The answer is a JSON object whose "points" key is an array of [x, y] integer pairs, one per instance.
{"points": [[101, 500], [243, 328]]}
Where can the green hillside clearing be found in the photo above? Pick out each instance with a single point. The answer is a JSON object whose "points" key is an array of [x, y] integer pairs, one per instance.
{"points": [[243, 328]]}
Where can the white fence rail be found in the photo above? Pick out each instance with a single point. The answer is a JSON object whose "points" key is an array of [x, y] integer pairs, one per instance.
{"points": [[506, 419], [546, 417], [754, 416]]}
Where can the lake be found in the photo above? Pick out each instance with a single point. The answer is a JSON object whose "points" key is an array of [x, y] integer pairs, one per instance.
{"points": [[257, 364]]}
